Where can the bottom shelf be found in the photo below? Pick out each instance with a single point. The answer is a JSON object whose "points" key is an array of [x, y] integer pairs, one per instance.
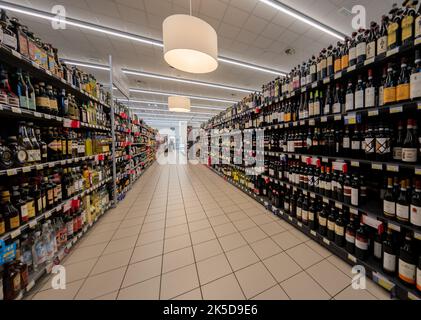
{"points": [[372, 267]]}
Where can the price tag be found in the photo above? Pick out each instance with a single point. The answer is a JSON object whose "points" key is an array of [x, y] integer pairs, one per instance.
{"points": [[374, 113], [16, 110], [303, 89], [290, 218], [295, 123], [325, 160], [63, 162], [37, 114], [47, 214], [51, 165], [325, 200], [355, 164], [369, 61], [338, 75], [353, 211], [300, 224], [392, 168], [396, 110], [412, 296], [313, 233], [417, 235], [323, 119], [338, 118], [47, 116], [382, 281], [419, 104], [352, 68], [35, 65], [15, 234], [394, 227], [69, 245], [16, 54], [392, 52], [376, 166], [338, 205], [39, 167], [12, 172], [326, 241], [314, 85], [302, 122], [312, 122], [48, 72], [30, 285], [417, 41], [352, 258], [326, 80], [33, 223]]}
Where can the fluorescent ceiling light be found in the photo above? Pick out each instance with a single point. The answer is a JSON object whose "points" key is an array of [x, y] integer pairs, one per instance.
{"points": [[166, 104], [106, 30], [251, 66], [168, 111], [86, 64], [167, 94], [194, 82], [303, 18]]}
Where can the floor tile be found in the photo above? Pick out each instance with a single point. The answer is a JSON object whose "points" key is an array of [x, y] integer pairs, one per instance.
{"points": [[225, 229], [120, 245], [177, 243], [232, 241], [226, 288], [303, 287], [286, 240], [207, 249], [112, 261], [255, 279], [274, 293], [179, 230], [241, 257], [189, 296], [177, 259], [149, 237], [265, 248], [282, 267], [304, 256], [219, 220], [253, 234], [272, 228], [351, 294], [318, 248], [244, 224], [141, 271], [199, 225], [213, 268], [330, 278], [179, 282], [147, 251], [147, 290], [109, 296], [67, 294], [82, 254], [202, 236]]}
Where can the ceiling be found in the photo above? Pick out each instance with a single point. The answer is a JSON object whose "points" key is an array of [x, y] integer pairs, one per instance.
{"points": [[248, 30]]}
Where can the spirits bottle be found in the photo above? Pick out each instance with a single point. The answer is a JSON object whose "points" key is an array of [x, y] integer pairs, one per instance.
{"points": [[382, 36], [407, 261], [371, 41], [410, 144], [10, 213], [389, 201], [408, 20], [393, 29], [361, 243], [415, 82], [359, 94], [22, 38], [402, 204], [361, 46], [403, 91], [350, 235], [32, 104], [22, 90], [7, 96], [9, 37], [390, 86]]}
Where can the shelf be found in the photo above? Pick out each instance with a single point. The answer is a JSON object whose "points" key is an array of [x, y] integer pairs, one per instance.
{"points": [[15, 171], [390, 283], [15, 59], [17, 232]]}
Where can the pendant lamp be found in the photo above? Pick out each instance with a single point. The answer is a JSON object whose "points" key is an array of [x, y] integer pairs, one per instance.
{"points": [[179, 104], [190, 44]]}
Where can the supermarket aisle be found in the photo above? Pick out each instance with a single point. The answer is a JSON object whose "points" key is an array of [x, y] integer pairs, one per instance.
{"points": [[185, 233]]}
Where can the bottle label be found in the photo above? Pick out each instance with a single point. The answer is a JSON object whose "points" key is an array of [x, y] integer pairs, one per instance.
{"points": [[39, 205], [349, 104], [313, 69], [347, 191], [338, 65], [402, 212], [389, 208], [361, 243], [359, 99], [370, 145], [403, 92], [381, 96], [382, 45], [370, 97], [407, 23], [323, 64], [409, 154], [389, 262], [10, 41], [418, 27], [322, 221], [415, 85], [361, 49], [31, 209], [354, 196], [304, 214], [350, 237], [311, 216], [352, 54], [299, 212], [2, 228], [24, 212], [331, 225], [382, 146], [345, 61], [336, 108], [329, 61], [416, 215], [43, 102], [356, 145], [391, 30], [328, 186], [340, 231], [406, 272], [346, 143], [389, 95], [371, 50], [14, 222], [397, 153]]}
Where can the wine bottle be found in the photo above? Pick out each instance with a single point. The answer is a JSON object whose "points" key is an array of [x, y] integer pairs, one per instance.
{"points": [[353, 50], [393, 29], [415, 210], [410, 144], [390, 86], [331, 222], [382, 37], [337, 58], [340, 230], [361, 46], [360, 94], [323, 220], [345, 54], [371, 40], [402, 204], [403, 91], [389, 201], [350, 235], [330, 61], [408, 20], [349, 98], [361, 243], [419, 275], [415, 81], [407, 261], [355, 191], [389, 254]]}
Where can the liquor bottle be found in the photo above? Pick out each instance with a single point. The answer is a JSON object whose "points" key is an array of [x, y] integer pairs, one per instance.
{"points": [[337, 57], [403, 91], [350, 235], [359, 94], [398, 143], [402, 204], [10, 213], [9, 37], [415, 209], [331, 222], [389, 254], [361, 243], [21, 90], [383, 149], [356, 144], [22, 38], [410, 144], [389, 201], [390, 86], [7, 96], [12, 281], [340, 230], [415, 81], [355, 191], [312, 222], [370, 92], [361, 46], [371, 40], [353, 50], [382, 36], [349, 98], [42, 98], [330, 61], [25, 143], [32, 104], [338, 100], [323, 214], [393, 29], [407, 261], [345, 54], [408, 20]]}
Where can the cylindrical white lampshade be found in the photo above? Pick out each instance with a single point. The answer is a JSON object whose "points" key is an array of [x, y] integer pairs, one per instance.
{"points": [[179, 104], [190, 44]]}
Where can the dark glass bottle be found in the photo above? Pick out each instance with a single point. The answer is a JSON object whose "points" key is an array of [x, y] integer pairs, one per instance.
{"points": [[331, 222], [340, 230], [407, 261], [350, 235], [361, 243], [389, 254], [323, 220]]}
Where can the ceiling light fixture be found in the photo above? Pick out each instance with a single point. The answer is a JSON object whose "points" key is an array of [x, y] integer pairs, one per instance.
{"points": [[150, 104], [187, 81], [86, 65], [112, 32], [179, 104], [190, 44], [159, 93], [166, 110], [303, 18]]}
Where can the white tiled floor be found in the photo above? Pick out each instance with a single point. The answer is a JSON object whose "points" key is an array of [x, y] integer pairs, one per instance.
{"points": [[185, 233]]}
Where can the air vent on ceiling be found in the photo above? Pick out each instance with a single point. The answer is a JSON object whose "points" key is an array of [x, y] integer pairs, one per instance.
{"points": [[345, 12]]}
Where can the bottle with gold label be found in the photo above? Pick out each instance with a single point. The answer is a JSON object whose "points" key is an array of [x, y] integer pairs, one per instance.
{"points": [[393, 28], [403, 87], [389, 87], [416, 77], [371, 40], [345, 54], [2, 225], [42, 98], [10, 213], [382, 36], [408, 21], [337, 58]]}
